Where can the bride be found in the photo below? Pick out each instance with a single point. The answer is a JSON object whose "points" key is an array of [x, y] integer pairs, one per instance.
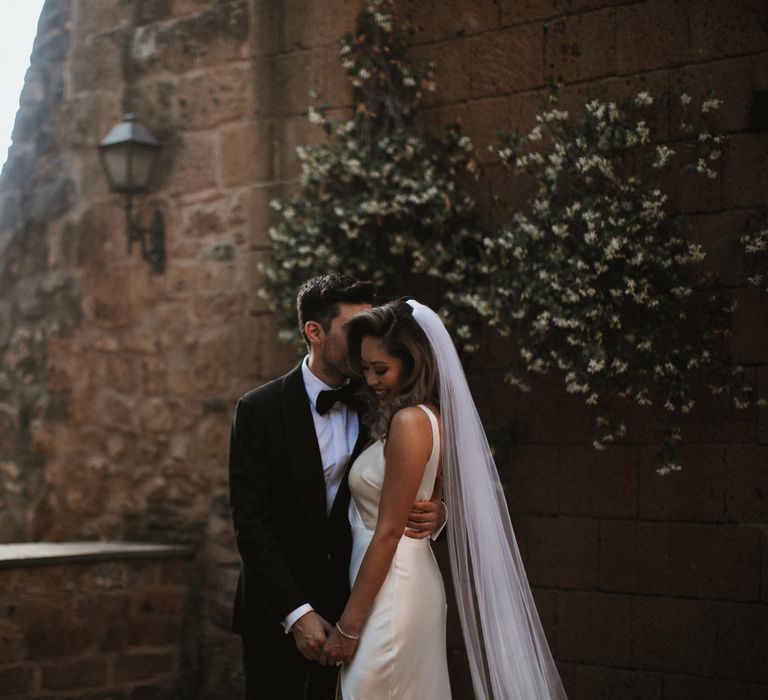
{"points": [[390, 639]]}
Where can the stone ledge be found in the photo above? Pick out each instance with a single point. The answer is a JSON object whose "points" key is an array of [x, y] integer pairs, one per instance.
{"points": [[24, 554]]}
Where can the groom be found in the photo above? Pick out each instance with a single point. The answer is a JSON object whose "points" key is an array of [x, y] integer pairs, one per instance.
{"points": [[291, 444]]}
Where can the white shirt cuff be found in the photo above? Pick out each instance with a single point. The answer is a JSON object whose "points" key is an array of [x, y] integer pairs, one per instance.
{"points": [[437, 532], [291, 618]]}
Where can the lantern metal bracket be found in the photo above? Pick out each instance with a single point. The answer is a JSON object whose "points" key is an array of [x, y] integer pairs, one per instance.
{"points": [[151, 241]]}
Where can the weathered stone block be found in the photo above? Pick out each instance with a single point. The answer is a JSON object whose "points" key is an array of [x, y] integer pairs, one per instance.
{"points": [[307, 25], [151, 631], [714, 562], [485, 118], [12, 647], [106, 300], [728, 29], [717, 233], [547, 414], [66, 638], [693, 193], [161, 602], [216, 96], [634, 556], [749, 344], [52, 197], [651, 35], [139, 667], [156, 103], [759, 72], [727, 80], [530, 477], [762, 411], [75, 675], [741, 651], [16, 680], [156, 691], [203, 219], [217, 35], [452, 73], [253, 205], [106, 607], [248, 154], [191, 165], [156, 415], [600, 683], [581, 46], [747, 487], [674, 634], [680, 559], [518, 11], [715, 419], [697, 493], [559, 552], [746, 170], [173, 572], [97, 61], [99, 236], [435, 20], [594, 628], [94, 16], [283, 83], [508, 60], [269, 356], [678, 687], [292, 133], [602, 484]]}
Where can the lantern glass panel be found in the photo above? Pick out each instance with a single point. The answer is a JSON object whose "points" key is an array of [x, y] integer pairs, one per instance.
{"points": [[141, 163], [116, 161]]}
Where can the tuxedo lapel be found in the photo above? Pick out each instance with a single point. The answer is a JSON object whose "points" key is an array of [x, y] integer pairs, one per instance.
{"points": [[305, 461]]}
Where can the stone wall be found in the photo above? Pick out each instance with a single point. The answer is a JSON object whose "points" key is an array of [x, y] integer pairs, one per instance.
{"points": [[116, 386], [649, 588], [94, 621]]}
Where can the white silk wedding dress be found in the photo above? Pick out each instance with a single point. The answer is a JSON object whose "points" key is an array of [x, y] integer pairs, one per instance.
{"points": [[401, 654]]}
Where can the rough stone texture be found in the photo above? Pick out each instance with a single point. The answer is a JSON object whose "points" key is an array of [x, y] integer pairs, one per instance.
{"points": [[93, 628], [116, 386]]}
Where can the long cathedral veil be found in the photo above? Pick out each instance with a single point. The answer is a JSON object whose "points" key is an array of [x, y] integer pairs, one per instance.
{"points": [[508, 653]]}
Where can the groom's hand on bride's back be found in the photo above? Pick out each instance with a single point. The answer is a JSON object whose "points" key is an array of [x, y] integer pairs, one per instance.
{"points": [[427, 517], [310, 632]]}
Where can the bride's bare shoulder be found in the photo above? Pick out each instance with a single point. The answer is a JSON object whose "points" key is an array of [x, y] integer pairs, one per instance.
{"points": [[410, 433], [409, 421]]}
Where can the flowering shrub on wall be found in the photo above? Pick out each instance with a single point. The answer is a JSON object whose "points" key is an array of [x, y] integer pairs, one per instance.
{"points": [[755, 245], [595, 278], [381, 200]]}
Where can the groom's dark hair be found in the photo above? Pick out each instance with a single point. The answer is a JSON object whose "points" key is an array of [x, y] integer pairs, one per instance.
{"points": [[319, 298]]}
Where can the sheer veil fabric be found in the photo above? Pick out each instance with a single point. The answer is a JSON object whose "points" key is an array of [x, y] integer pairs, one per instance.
{"points": [[509, 657]]}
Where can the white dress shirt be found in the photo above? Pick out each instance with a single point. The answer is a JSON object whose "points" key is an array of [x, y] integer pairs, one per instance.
{"points": [[337, 433]]}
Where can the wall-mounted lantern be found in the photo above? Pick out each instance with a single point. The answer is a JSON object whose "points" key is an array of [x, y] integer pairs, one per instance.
{"points": [[128, 154]]}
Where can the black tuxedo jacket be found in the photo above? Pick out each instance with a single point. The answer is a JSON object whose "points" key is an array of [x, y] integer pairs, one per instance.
{"points": [[292, 552]]}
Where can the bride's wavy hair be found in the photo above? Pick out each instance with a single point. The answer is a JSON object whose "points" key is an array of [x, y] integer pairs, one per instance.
{"points": [[402, 337]]}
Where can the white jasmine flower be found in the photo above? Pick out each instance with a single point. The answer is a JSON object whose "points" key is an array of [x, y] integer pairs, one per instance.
{"points": [[663, 154], [643, 99], [710, 105]]}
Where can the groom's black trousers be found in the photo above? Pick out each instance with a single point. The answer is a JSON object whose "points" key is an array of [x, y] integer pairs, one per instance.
{"points": [[275, 670]]}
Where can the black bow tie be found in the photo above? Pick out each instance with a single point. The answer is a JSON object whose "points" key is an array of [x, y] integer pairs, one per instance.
{"points": [[326, 399]]}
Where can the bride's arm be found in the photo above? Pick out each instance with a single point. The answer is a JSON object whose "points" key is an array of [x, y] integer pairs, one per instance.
{"points": [[409, 444]]}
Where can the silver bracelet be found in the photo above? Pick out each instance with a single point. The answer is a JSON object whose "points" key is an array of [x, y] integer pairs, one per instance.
{"points": [[354, 637]]}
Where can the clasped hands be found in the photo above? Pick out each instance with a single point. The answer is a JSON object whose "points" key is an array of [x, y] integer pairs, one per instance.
{"points": [[316, 639]]}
